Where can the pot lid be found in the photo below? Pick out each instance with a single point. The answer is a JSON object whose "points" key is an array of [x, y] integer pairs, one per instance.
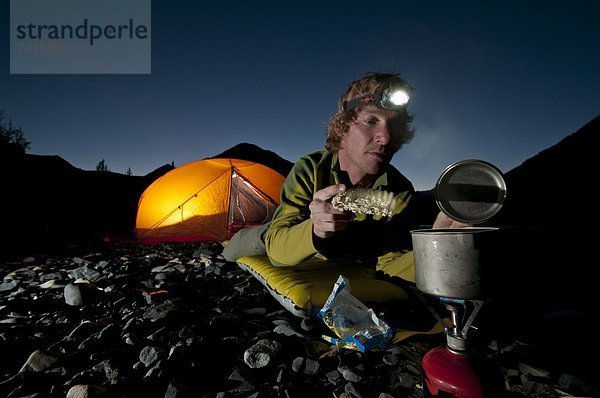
{"points": [[470, 191]]}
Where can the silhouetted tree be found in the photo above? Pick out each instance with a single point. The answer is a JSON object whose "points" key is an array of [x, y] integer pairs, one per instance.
{"points": [[11, 136], [101, 166]]}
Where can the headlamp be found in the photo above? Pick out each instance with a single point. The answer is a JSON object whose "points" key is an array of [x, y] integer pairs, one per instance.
{"points": [[390, 98]]}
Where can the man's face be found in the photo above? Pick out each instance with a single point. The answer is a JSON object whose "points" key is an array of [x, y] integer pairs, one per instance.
{"points": [[371, 141]]}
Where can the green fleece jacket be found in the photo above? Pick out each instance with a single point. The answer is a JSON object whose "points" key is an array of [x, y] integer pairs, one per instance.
{"points": [[290, 240]]}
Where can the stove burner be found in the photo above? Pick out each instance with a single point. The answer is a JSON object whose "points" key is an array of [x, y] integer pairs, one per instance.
{"points": [[448, 368]]}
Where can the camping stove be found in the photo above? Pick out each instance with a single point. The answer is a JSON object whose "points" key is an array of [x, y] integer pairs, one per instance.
{"points": [[451, 266], [448, 268]]}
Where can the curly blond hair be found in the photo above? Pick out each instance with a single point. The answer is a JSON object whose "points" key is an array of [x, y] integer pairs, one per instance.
{"points": [[371, 83]]}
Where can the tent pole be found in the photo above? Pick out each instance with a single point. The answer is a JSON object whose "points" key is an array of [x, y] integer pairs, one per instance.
{"points": [[229, 221]]}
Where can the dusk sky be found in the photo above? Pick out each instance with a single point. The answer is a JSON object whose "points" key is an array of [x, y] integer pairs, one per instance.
{"points": [[494, 80]]}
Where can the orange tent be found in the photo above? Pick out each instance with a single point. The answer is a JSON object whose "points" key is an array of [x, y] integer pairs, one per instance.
{"points": [[208, 199]]}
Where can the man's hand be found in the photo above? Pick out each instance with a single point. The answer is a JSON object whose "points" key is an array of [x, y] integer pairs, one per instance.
{"points": [[326, 219], [443, 221]]}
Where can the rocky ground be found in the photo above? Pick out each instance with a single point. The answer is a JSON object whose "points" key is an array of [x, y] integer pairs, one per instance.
{"points": [[177, 320]]}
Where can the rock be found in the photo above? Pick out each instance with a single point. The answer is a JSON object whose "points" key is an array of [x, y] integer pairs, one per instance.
{"points": [[307, 324], [40, 361], [149, 355], [255, 311], [576, 385], [352, 390], [390, 359], [197, 327], [86, 273], [349, 374], [87, 391], [77, 294], [6, 286], [287, 330], [533, 371], [261, 353], [333, 376], [227, 320], [179, 389], [159, 311], [305, 365], [406, 380], [281, 375], [111, 372], [51, 284]]}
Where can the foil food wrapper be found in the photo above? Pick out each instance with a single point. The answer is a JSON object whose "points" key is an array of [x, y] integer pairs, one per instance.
{"points": [[366, 201], [356, 326]]}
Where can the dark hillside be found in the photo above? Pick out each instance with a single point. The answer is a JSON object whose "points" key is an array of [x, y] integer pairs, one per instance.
{"points": [[49, 203]]}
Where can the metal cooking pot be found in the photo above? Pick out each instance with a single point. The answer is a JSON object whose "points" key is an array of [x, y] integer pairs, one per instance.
{"points": [[449, 262]]}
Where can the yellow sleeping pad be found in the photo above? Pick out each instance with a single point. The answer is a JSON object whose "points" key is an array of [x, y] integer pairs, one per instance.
{"points": [[303, 289]]}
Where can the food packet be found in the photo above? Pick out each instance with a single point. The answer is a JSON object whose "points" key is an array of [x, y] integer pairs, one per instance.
{"points": [[356, 326]]}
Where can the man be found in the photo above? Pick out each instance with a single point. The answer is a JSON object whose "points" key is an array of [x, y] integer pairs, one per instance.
{"points": [[371, 125]]}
